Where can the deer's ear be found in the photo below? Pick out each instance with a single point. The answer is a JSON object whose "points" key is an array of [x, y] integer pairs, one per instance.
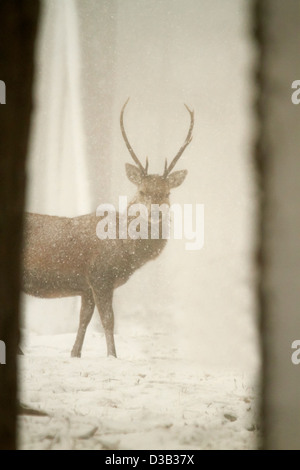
{"points": [[176, 178], [134, 174]]}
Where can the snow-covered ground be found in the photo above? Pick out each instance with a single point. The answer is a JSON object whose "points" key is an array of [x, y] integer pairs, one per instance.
{"points": [[151, 397]]}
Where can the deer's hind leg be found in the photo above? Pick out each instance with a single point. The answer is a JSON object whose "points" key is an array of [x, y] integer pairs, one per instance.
{"points": [[86, 313]]}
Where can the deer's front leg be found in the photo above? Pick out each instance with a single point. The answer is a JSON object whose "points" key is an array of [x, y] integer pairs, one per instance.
{"points": [[86, 313], [103, 298]]}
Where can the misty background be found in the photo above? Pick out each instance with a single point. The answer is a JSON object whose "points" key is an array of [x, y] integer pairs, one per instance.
{"points": [[91, 56]]}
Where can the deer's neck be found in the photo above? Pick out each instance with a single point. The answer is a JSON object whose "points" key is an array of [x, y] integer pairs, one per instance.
{"points": [[141, 251], [147, 246]]}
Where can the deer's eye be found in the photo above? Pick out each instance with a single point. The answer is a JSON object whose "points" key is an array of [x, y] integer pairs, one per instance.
{"points": [[142, 193]]}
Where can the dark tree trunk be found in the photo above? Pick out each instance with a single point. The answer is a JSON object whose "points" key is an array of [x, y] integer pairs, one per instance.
{"points": [[277, 32], [18, 29]]}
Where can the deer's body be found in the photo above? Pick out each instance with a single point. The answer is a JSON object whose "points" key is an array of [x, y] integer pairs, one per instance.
{"points": [[63, 254], [64, 257]]}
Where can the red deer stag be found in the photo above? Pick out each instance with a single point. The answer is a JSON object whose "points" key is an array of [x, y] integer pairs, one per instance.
{"points": [[63, 257]]}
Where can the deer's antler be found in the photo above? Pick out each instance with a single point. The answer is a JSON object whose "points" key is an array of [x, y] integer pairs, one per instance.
{"points": [[187, 141], [134, 157]]}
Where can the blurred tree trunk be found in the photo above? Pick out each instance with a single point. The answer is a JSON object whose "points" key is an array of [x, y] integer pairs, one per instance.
{"points": [[19, 20], [98, 22], [277, 31]]}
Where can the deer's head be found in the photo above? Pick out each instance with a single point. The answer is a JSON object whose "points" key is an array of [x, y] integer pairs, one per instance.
{"points": [[155, 189]]}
